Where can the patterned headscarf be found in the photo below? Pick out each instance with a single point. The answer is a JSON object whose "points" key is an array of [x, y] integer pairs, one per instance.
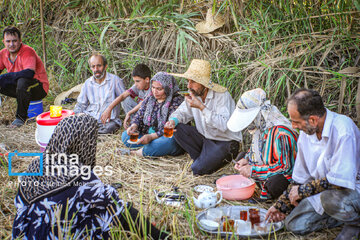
{"points": [[73, 136], [170, 86]]}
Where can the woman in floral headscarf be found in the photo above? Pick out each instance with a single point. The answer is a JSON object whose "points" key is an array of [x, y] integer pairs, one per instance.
{"points": [[151, 118], [61, 203]]}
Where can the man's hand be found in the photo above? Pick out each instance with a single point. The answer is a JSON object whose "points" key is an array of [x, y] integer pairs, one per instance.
{"points": [[131, 129], [105, 116], [170, 124], [147, 138], [127, 121], [194, 102], [274, 215], [294, 195], [244, 170]]}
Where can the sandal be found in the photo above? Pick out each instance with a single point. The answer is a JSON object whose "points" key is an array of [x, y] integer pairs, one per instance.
{"points": [[17, 123]]}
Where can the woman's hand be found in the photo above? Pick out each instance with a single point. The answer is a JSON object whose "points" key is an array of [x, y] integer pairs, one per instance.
{"points": [[147, 138], [244, 170], [240, 163], [131, 129]]}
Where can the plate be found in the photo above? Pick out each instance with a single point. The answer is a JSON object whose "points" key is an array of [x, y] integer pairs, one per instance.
{"points": [[209, 224], [235, 211], [130, 142], [203, 188]]}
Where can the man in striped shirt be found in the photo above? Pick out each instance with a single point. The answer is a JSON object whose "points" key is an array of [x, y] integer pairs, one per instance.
{"points": [[271, 157], [98, 92]]}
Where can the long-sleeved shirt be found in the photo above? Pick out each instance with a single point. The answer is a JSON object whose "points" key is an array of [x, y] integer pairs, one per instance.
{"points": [[211, 121], [332, 161], [94, 98]]}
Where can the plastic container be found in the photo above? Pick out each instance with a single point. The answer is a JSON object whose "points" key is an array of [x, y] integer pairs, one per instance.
{"points": [[35, 108], [45, 126], [235, 187]]}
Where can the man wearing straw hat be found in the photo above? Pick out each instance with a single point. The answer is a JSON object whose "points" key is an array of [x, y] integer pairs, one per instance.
{"points": [[26, 78], [326, 191], [271, 157], [210, 143]]}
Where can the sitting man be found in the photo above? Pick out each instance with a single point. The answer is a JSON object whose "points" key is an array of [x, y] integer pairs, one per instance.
{"points": [[271, 157], [210, 143], [98, 92], [326, 192], [26, 79]]}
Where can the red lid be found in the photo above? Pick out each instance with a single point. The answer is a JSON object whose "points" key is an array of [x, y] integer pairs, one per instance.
{"points": [[45, 119]]}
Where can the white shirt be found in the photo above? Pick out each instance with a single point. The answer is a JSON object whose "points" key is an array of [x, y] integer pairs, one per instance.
{"points": [[211, 121], [94, 98], [336, 156]]}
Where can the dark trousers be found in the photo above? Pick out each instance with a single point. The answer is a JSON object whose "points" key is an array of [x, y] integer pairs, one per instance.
{"points": [[208, 155], [25, 90]]}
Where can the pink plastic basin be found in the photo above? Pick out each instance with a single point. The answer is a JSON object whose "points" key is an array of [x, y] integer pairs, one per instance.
{"points": [[235, 187]]}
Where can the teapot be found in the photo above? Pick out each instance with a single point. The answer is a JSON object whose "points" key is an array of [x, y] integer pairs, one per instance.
{"points": [[207, 199]]}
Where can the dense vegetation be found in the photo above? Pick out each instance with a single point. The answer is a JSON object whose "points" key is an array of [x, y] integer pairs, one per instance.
{"points": [[276, 45]]}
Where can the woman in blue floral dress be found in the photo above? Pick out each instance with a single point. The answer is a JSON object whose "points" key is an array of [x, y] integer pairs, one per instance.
{"points": [[69, 201], [151, 118]]}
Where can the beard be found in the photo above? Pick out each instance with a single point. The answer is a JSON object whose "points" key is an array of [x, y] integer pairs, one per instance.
{"points": [[198, 93], [99, 77], [310, 130]]}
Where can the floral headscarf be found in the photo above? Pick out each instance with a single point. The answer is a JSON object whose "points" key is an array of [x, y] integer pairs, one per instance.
{"points": [[171, 87]]}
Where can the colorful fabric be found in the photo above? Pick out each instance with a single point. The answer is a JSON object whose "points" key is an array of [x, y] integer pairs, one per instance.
{"points": [[94, 98], [153, 114], [278, 152], [26, 58], [73, 135]]}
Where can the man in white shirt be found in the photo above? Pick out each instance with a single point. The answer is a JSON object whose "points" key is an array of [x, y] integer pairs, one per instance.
{"points": [[98, 92], [326, 192], [210, 143]]}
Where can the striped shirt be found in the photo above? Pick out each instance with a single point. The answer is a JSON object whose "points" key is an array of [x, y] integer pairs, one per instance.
{"points": [[278, 153], [94, 98]]}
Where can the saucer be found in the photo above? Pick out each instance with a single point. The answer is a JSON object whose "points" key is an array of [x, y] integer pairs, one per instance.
{"points": [[203, 188], [209, 224], [130, 142]]}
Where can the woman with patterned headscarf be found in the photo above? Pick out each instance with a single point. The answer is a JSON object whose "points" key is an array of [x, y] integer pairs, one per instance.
{"points": [[66, 200], [149, 121], [271, 157]]}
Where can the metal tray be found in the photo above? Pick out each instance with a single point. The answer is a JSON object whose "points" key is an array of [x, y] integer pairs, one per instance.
{"points": [[236, 209]]}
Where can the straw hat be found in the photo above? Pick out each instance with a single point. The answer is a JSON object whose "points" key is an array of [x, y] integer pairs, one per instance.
{"points": [[199, 71], [211, 23]]}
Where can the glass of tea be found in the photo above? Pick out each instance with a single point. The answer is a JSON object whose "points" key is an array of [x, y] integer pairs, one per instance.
{"points": [[168, 132], [134, 136], [254, 216], [243, 215]]}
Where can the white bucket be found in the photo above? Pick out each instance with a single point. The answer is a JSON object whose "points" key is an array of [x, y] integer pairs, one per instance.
{"points": [[43, 134], [45, 126]]}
